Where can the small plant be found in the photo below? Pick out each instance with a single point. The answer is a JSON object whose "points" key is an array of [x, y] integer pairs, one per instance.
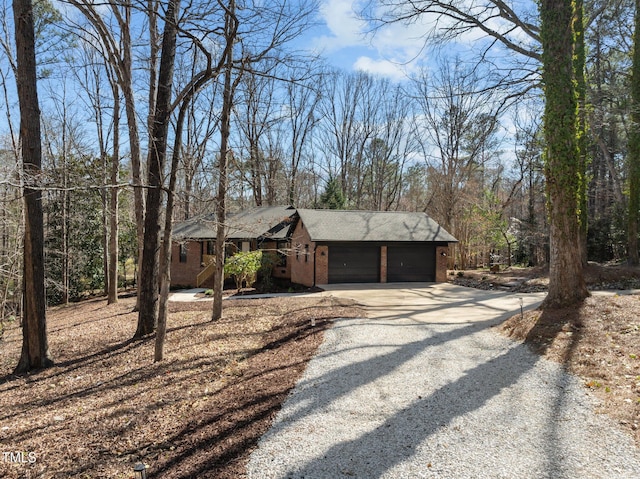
{"points": [[633, 356], [208, 292]]}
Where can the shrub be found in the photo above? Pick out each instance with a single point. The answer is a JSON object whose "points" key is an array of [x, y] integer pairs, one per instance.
{"points": [[244, 267]]}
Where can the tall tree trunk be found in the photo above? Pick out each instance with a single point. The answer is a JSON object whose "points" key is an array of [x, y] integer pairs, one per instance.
{"points": [[165, 254], [148, 281], [582, 127], [562, 157], [35, 346], [225, 127], [112, 294], [634, 146]]}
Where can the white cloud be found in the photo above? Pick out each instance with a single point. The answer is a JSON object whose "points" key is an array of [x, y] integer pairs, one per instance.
{"points": [[346, 29], [390, 50], [386, 68]]}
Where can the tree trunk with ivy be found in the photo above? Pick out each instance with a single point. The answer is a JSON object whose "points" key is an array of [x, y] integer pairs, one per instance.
{"points": [[634, 146], [562, 156], [582, 138]]}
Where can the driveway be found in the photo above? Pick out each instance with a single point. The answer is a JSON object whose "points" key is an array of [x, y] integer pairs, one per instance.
{"points": [[425, 387], [434, 302]]}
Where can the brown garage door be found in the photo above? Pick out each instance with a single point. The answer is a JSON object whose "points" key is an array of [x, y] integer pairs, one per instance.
{"points": [[349, 263], [413, 262]]}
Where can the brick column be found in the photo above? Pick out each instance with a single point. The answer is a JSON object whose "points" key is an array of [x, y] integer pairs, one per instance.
{"points": [[442, 253], [383, 264]]}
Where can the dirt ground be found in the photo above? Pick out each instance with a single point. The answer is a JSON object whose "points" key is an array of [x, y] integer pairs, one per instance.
{"points": [[106, 406]]}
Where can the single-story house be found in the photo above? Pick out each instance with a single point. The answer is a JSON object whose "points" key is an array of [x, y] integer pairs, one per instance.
{"points": [[193, 248], [320, 246]]}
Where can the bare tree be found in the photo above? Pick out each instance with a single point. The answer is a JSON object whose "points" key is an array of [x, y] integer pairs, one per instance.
{"points": [[117, 51], [35, 346], [449, 109], [149, 272]]}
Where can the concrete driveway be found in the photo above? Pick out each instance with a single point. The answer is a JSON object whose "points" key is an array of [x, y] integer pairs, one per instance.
{"points": [[434, 302]]}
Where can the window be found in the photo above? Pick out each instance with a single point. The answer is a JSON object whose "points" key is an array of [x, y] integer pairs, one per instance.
{"points": [[211, 248], [306, 253], [183, 253], [282, 247]]}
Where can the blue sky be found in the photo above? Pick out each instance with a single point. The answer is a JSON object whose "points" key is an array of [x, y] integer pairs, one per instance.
{"points": [[396, 50], [347, 42]]}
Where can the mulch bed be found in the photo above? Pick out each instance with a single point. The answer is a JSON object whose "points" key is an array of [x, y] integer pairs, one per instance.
{"points": [[106, 405]]}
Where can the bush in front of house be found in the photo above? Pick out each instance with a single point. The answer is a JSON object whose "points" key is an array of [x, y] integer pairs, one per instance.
{"points": [[243, 267]]}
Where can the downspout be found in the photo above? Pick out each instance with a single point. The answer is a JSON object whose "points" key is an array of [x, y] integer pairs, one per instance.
{"points": [[314, 264]]}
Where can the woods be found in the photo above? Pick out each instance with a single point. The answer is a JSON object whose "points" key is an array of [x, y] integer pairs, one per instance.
{"points": [[522, 143]]}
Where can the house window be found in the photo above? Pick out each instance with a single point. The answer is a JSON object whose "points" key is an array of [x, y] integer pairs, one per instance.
{"points": [[282, 247], [183, 253], [211, 248], [306, 253]]}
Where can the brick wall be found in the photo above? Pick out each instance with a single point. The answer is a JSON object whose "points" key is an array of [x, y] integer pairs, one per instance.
{"points": [[302, 256], [383, 264], [442, 257], [184, 274], [322, 264]]}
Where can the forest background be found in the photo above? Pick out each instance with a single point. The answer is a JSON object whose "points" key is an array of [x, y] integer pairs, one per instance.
{"points": [[458, 136]]}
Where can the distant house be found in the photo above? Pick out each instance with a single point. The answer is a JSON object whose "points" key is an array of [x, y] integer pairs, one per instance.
{"points": [[323, 246]]}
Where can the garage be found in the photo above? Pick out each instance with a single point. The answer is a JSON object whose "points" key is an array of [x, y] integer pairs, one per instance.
{"points": [[411, 262], [354, 263]]}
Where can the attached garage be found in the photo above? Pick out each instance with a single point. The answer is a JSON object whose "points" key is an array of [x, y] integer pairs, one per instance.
{"points": [[411, 262], [354, 263], [335, 246]]}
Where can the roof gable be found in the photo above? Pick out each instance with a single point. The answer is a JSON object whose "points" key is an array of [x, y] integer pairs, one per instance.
{"points": [[340, 225], [259, 222]]}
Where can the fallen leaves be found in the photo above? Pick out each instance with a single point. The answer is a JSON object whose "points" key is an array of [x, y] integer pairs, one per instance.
{"points": [[106, 406]]}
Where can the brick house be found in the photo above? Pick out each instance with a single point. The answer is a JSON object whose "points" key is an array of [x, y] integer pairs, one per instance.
{"points": [[320, 246], [193, 249]]}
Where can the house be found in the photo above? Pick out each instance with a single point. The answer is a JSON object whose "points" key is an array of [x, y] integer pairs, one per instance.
{"points": [[193, 248], [322, 246]]}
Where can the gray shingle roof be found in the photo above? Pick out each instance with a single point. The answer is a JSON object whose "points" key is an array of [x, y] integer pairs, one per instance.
{"points": [[339, 225], [266, 221]]}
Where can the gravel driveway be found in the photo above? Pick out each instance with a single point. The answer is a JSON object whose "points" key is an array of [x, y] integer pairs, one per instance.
{"points": [[425, 388]]}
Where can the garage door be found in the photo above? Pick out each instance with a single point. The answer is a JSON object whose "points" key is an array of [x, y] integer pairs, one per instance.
{"points": [[354, 263], [411, 263]]}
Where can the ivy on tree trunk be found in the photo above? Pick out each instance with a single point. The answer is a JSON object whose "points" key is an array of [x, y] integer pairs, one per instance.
{"points": [[563, 164], [634, 146]]}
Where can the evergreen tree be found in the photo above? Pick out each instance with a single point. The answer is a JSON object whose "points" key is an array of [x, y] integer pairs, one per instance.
{"points": [[332, 198]]}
